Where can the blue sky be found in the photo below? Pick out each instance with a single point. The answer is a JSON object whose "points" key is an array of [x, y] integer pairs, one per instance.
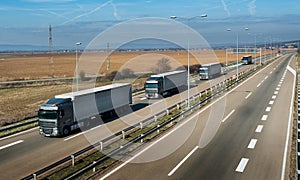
{"points": [[27, 21]]}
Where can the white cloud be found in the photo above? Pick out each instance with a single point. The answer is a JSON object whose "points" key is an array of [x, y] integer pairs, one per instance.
{"points": [[252, 7], [98, 8], [87, 13], [225, 8]]}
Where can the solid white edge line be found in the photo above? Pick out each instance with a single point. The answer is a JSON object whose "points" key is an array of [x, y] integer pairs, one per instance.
{"points": [[248, 95], [228, 115], [252, 144], [11, 144], [182, 161], [182, 124], [82, 133], [20, 133], [289, 123], [259, 128], [242, 165], [78, 134]]}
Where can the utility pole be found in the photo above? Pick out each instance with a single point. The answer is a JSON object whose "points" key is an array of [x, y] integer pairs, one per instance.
{"points": [[51, 65]]}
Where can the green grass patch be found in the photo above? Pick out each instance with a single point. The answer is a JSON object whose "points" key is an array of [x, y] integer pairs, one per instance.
{"points": [[18, 129]]}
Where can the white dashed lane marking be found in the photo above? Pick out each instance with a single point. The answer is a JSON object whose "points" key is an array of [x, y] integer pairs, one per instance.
{"points": [[242, 165], [259, 128]]}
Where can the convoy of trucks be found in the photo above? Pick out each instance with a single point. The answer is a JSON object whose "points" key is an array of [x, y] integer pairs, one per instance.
{"points": [[209, 71], [67, 112], [247, 60], [165, 84]]}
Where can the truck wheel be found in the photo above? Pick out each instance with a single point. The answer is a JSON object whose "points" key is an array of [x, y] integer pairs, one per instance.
{"points": [[66, 130]]}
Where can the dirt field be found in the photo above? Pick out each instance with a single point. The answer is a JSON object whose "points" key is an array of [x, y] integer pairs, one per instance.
{"points": [[36, 66], [19, 103]]}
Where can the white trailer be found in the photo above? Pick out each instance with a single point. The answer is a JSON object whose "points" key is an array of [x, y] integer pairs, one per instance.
{"points": [[165, 84], [209, 71], [67, 112]]}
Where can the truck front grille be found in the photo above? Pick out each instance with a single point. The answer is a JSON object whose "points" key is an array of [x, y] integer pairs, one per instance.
{"points": [[46, 124]]}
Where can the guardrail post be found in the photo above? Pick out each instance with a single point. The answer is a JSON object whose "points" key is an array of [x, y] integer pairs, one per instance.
{"points": [[177, 106], [141, 125], [167, 111], [155, 118], [158, 126], [123, 134], [142, 140], [94, 169], [101, 146], [73, 159], [34, 176]]}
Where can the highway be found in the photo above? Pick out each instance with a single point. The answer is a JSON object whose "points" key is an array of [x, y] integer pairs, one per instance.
{"points": [[251, 142], [27, 152]]}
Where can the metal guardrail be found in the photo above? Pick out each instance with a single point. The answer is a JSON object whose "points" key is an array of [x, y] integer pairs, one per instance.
{"points": [[212, 91], [298, 129], [18, 125]]}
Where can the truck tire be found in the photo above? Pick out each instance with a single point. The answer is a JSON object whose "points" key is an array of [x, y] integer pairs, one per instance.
{"points": [[66, 130]]}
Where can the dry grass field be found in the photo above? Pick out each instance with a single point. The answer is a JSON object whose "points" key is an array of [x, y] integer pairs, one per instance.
{"points": [[19, 103], [36, 66]]}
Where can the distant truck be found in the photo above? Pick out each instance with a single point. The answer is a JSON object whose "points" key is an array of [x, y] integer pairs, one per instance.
{"points": [[209, 71], [165, 84], [67, 112], [247, 60]]}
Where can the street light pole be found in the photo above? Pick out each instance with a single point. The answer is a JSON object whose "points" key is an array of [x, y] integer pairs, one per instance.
{"points": [[188, 48], [77, 44], [237, 52], [237, 56]]}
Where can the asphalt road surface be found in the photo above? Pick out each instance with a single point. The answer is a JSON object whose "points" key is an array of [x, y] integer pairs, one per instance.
{"points": [[27, 152], [251, 141]]}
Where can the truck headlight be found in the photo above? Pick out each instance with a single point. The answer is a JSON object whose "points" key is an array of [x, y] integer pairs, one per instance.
{"points": [[55, 131]]}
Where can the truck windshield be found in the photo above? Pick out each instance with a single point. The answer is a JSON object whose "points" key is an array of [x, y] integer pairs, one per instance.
{"points": [[203, 71], [43, 114], [151, 85]]}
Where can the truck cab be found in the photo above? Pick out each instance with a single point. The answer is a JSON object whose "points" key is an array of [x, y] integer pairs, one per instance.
{"points": [[153, 86], [203, 73], [55, 117], [247, 60]]}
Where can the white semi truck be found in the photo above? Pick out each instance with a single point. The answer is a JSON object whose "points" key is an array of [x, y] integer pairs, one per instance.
{"points": [[209, 71], [67, 112], [165, 84]]}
